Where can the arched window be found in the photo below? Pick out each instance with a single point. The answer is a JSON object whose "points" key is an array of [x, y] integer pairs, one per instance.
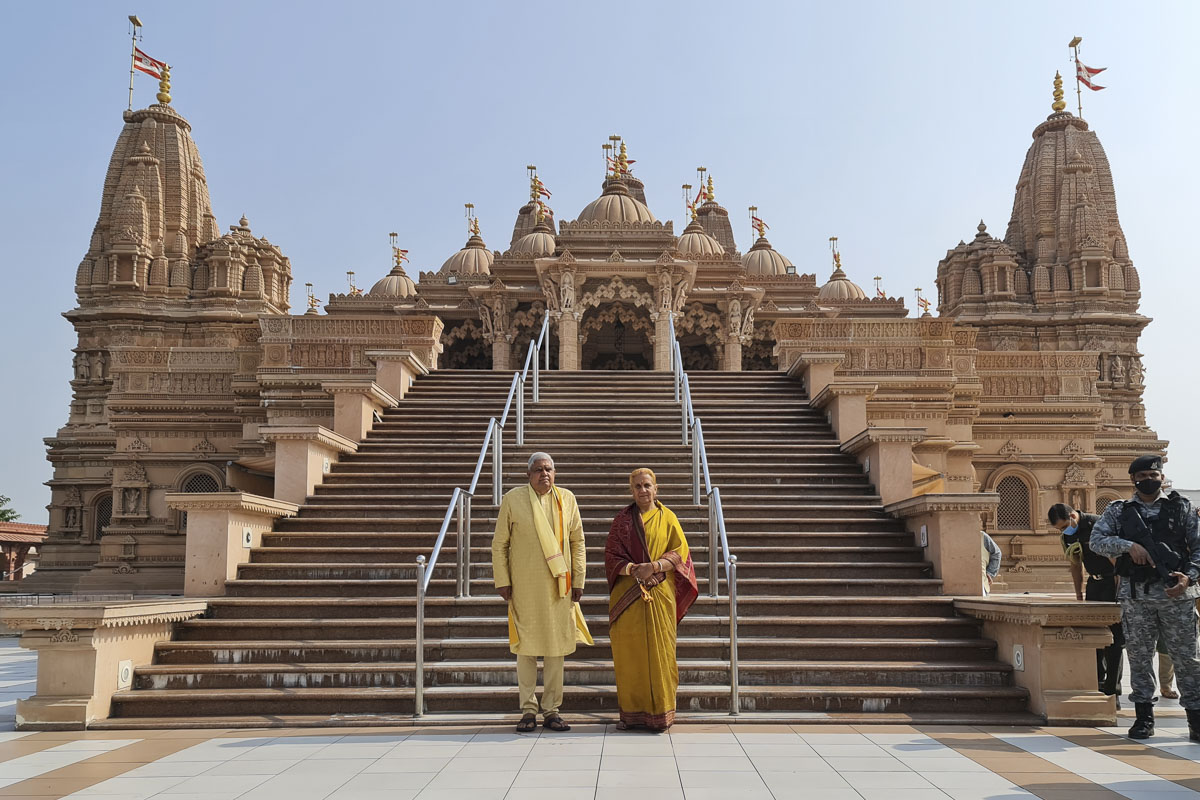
{"points": [[103, 514], [1013, 513], [197, 483]]}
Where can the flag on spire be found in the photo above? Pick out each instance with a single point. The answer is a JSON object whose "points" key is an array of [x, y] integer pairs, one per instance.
{"points": [[144, 63], [1084, 73]]}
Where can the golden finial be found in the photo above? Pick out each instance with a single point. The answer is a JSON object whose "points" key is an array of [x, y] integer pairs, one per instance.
{"points": [[1058, 105], [312, 298], [164, 86], [623, 160], [475, 226], [711, 196]]}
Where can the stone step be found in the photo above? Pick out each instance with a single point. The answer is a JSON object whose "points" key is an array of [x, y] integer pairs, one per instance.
{"points": [[593, 604], [815, 587], [482, 571], [761, 526], [398, 700], [216, 630], [482, 554], [737, 540], [274, 651], [503, 674]]}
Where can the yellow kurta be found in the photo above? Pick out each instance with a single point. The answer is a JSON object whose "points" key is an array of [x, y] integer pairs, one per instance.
{"points": [[643, 637], [544, 621]]}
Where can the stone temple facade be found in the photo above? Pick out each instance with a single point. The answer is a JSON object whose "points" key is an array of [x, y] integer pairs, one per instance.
{"points": [[190, 374]]}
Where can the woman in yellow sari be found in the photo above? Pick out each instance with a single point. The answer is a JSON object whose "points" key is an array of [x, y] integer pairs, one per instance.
{"points": [[652, 583]]}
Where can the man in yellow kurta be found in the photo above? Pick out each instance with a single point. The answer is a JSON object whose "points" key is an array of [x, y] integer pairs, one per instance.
{"points": [[542, 582]]}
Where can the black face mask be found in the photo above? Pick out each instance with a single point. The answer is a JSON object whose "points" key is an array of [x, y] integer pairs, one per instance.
{"points": [[1149, 486]]}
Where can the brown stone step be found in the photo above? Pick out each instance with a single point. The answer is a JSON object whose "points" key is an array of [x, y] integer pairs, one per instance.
{"points": [[577, 672], [397, 700]]}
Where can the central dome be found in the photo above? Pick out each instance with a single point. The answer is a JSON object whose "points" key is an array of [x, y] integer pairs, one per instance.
{"points": [[695, 242], [616, 205], [840, 287]]}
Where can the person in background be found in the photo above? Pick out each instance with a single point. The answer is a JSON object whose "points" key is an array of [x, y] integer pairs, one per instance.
{"points": [[990, 556]]}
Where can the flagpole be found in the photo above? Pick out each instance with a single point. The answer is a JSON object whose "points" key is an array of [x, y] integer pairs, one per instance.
{"points": [[1074, 45], [137, 24]]}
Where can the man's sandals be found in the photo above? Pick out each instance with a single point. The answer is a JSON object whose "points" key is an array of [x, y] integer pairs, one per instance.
{"points": [[554, 722], [528, 723]]}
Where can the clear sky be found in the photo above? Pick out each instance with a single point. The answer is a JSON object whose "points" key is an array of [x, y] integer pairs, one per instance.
{"points": [[895, 126]]}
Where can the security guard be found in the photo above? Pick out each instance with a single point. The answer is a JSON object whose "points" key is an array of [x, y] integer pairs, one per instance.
{"points": [[1156, 541], [1076, 529]]}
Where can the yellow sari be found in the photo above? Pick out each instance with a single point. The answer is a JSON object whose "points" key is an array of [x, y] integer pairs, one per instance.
{"points": [[643, 635]]}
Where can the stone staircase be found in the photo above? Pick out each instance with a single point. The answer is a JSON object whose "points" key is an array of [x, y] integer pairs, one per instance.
{"points": [[839, 616]]}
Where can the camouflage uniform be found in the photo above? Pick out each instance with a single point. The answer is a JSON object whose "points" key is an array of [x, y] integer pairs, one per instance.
{"points": [[1148, 615]]}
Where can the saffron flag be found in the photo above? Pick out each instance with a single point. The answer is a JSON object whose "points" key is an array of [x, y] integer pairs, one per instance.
{"points": [[1085, 74], [151, 66], [880, 294], [541, 187]]}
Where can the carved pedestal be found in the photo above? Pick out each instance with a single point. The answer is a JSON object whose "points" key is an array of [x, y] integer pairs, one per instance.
{"points": [[395, 371], [303, 456], [886, 457], [1052, 645], [355, 403], [222, 527], [87, 652], [950, 524]]}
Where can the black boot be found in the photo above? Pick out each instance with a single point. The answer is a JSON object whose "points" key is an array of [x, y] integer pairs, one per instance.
{"points": [[1143, 727], [1193, 716]]}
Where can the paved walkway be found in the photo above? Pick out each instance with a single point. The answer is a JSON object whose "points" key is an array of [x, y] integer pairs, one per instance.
{"points": [[742, 762]]}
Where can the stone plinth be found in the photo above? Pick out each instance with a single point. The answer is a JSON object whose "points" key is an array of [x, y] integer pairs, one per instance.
{"points": [[816, 369], [950, 525], [845, 403], [886, 456], [222, 527], [1055, 643], [303, 456], [87, 652], [355, 403], [395, 370]]}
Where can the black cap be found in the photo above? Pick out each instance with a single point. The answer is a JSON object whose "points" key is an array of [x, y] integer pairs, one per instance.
{"points": [[1145, 463]]}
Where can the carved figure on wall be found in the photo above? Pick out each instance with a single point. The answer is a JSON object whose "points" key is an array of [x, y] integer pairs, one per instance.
{"points": [[665, 290], [735, 317], [550, 292], [680, 292], [83, 367], [99, 363], [133, 501], [485, 318], [73, 509], [567, 291], [1117, 370], [748, 324], [1136, 373]]}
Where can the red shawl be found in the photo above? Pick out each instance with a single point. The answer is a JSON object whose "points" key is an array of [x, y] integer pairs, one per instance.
{"points": [[627, 545]]}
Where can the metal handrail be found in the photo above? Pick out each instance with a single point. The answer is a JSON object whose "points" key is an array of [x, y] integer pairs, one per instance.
{"points": [[718, 539], [460, 505]]}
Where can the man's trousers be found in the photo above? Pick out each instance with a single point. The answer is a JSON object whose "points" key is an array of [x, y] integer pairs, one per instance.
{"points": [[552, 684]]}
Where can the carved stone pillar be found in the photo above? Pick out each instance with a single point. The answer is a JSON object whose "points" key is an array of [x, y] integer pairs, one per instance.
{"points": [[568, 340], [733, 354], [662, 341], [501, 353]]}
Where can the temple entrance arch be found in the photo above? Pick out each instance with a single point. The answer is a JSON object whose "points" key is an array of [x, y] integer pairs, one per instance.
{"points": [[616, 336], [699, 328]]}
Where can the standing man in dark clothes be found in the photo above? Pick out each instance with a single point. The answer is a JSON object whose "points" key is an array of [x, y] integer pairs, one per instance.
{"points": [[1102, 581]]}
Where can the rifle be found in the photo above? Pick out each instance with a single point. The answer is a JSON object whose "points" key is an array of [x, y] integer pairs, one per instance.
{"points": [[1134, 529]]}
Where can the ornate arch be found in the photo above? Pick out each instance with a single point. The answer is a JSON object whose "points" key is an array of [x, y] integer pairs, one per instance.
{"points": [[465, 346], [617, 291]]}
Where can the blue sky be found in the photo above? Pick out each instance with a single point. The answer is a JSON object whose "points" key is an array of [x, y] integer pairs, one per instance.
{"points": [[895, 126]]}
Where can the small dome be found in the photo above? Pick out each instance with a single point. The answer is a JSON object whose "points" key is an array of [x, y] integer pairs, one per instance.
{"points": [[539, 242], [616, 205], [761, 259], [840, 287], [695, 242], [395, 284], [473, 259]]}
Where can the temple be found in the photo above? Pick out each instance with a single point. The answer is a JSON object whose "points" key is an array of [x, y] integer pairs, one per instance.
{"points": [[191, 374]]}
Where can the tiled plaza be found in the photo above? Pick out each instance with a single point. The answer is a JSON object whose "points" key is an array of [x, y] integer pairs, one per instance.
{"points": [[744, 761]]}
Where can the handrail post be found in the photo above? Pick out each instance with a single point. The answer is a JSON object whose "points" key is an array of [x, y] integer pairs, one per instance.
{"points": [[536, 372], [731, 580], [467, 544], [713, 556], [546, 346], [498, 466], [695, 467], [684, 420], [521, 412], [419, 654], [463, 577]]}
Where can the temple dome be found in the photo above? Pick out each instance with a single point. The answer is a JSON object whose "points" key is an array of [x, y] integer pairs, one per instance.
{"points": [[762, 259], [841, 288], [695, 242], [616, 205], [538, 243], [395, 284], [473, 259]]}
